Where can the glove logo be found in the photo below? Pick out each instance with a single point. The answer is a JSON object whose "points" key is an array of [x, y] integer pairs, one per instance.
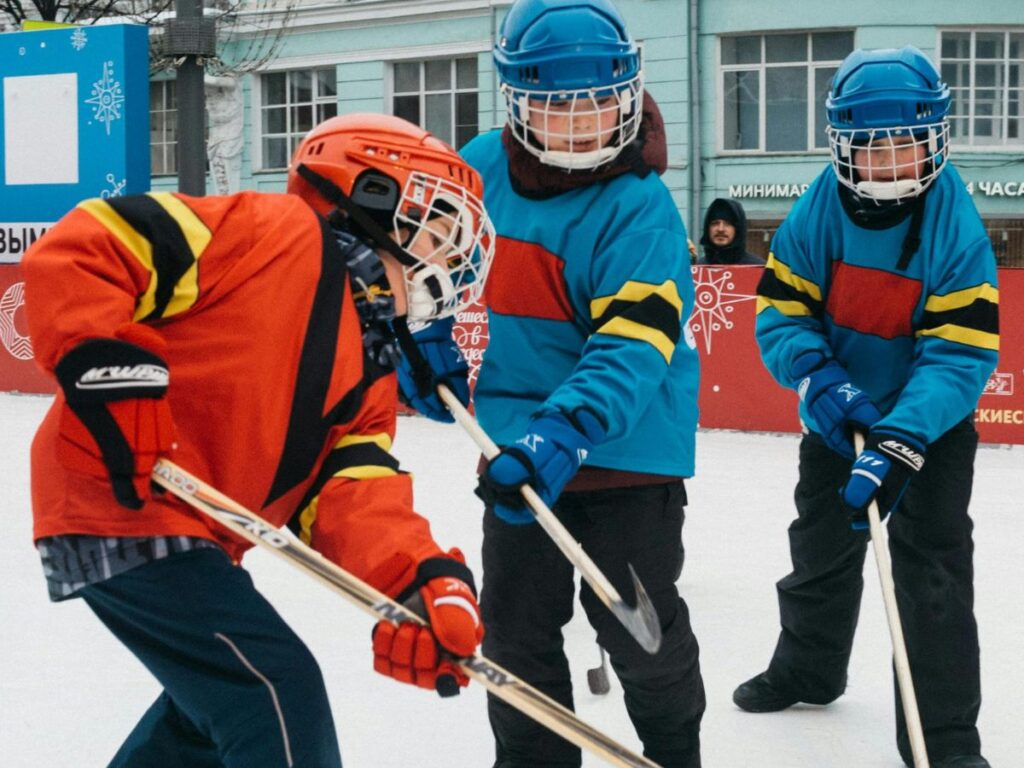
{"points": [[849, 390], [801, 389], [115, 376], [903, 453], [581, 455], [531, 441]]}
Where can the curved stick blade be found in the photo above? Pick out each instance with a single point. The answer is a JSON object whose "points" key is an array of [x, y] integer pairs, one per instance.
{"points": [[641, 621]]}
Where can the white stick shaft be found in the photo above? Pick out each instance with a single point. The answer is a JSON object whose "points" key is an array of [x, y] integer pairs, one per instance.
{"points": [[499, 681], [899, 647], [551, 524]]}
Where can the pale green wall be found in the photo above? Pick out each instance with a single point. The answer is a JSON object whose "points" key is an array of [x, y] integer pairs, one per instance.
{"points": [[661, 26]]}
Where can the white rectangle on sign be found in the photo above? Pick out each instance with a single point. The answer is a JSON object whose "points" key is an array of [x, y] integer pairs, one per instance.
{"points": [[17, 237], [41, 129]]}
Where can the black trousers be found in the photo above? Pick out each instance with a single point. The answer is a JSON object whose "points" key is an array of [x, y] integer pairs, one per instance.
{"points": [[527, 597], [240, 688], [932, 562]]}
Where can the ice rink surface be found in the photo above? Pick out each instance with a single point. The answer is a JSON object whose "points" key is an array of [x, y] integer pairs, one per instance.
{"points": [[69, 693]]}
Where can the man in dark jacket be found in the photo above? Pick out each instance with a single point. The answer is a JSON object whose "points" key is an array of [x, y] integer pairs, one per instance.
{"points": [[725, 235]]}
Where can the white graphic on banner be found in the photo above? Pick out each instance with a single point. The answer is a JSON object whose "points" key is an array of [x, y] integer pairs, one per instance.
{"points": [[107, 97], [18, 345], [79, 39], [714, 302], [116, 187]]}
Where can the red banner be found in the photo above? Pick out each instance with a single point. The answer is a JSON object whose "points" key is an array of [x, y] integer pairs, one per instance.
{"points": [[18, 371], [736, 390]]}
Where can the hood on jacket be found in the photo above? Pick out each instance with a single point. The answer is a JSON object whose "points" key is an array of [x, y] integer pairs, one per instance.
{"points": [[730, 210]]}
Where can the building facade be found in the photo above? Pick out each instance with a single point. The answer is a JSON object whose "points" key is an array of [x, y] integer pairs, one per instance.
{"points": [[741, 85]]}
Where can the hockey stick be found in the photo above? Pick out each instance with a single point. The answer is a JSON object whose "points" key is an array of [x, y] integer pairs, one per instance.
{"points": [[899, 647], [641, 621], [597, 678], [495, 679]]}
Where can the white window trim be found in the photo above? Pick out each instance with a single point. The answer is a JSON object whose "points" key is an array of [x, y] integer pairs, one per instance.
{"points": [[162, 82], [957, 146], [720, 68], [256, 102]]}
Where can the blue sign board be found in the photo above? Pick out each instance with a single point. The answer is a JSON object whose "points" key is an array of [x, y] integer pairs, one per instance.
{"points": [[74, 124]]}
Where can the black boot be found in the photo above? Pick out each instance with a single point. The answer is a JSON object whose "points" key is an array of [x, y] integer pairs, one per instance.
{"points": [[762, 694], [962, 761]]}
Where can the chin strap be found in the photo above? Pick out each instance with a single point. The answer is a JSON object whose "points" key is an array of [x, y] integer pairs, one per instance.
{"points": [[374, 231], [422, 373]]}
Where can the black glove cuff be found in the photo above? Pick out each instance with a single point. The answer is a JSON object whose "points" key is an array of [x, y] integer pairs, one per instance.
{"points": [[104, 370], [435, 568]]}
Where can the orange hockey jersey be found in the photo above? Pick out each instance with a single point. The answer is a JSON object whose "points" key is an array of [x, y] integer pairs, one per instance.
{"points": [[268, 389]]}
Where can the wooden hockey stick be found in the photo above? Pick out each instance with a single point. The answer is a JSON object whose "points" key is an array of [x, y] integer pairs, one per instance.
{"points": [[502, 683], [641, 621], [899, 647]]}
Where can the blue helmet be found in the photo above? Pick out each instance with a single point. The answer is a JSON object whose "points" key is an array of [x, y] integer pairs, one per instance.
{"points": [[578, 55], [885, 97]]}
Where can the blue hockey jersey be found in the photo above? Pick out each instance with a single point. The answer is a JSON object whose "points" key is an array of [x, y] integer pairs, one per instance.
{"points": [[587, 301], [921, 342]]}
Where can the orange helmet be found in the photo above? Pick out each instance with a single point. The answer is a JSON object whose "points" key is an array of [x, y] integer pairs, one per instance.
{"points": [[395, 183]]}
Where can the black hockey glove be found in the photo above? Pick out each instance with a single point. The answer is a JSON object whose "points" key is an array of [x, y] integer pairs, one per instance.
{"points": [[116, 422]]}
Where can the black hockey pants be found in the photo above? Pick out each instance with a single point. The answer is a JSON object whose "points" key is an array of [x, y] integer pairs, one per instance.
{"points": [[241, 690], [932, 562], [527, 598]]}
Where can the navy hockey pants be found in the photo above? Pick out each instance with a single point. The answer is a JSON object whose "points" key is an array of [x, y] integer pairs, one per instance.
{"points": [[932, 562], [241, 690], [527, 597]]}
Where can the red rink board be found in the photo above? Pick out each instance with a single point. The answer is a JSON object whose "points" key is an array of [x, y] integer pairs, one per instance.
{"points": [[736, 390]]}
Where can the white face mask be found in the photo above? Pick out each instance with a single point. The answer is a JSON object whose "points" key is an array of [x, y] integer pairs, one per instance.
{"points": [[428, 289], [576, 130], [881, 164], [449, 235]]}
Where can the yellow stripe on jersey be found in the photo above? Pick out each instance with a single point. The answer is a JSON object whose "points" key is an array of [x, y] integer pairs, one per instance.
{"points": [[964, 298], [137, 245], [962, 335]]}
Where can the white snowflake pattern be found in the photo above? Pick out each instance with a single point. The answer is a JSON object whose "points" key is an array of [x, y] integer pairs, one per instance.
{"points": [[79, 39], [714, 302], [116, 187], [107, 97]]}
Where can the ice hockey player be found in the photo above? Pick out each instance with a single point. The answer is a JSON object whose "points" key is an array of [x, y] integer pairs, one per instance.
{"points": [[589, 363], [248, 338], [879, 307]]}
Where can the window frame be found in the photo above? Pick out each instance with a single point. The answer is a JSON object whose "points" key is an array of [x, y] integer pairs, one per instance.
{"points": [[960, 144], [258, 107], [761, 67], [164, 84], [422, 93]]}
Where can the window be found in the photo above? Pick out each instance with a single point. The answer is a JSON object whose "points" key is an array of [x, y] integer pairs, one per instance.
{"points": [[774, 89], [985, 74], [439, 94], [163, 125], [291, 103], [1007, 237]]}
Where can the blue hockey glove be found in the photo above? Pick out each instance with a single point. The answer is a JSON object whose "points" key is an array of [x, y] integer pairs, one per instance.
{"points": [[447, 365], [547, 456], [832, 401], [882, 471]]}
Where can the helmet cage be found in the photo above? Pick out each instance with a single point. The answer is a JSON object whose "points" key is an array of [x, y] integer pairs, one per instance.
{"points": [[447, 224], [535, 117], [882, 148]]}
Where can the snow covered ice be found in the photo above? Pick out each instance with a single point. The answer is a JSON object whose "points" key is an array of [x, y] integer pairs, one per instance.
{"points": [[69, 693]]}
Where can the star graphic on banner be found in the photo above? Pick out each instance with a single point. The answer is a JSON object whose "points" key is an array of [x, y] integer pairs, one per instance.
{"points": [[714, 302], [107, 97]]}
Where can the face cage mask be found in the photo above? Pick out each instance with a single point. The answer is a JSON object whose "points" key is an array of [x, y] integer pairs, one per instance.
{"points": [[581, 144], [449, 236], [881, 148]]}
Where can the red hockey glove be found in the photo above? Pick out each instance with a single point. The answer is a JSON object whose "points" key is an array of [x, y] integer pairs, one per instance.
{"points": [[116, 422], [414, 653]]}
